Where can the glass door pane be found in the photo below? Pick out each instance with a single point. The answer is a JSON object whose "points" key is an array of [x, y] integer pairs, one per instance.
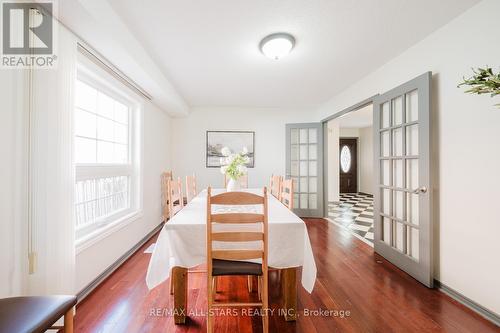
{"points": [[305, 165]]}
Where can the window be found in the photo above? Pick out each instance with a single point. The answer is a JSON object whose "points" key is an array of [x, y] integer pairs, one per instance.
{"points": [[345, 159], [106, 172], [101, 127]]}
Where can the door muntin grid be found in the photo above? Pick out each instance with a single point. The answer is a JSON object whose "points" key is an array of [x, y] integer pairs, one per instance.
{"points": [[304, 166], [399, 174]]}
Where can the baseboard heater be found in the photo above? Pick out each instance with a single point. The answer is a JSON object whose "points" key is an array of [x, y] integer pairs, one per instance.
{"points": [[113, 267]]}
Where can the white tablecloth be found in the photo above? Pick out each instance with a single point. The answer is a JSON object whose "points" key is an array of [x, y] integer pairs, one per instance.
{"points": [[182, 241]]}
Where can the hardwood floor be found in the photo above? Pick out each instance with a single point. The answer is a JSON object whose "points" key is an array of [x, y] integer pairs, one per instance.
{"points": [[368, 294]]}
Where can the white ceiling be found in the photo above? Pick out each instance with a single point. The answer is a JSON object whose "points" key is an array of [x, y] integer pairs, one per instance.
{"points": [[357, 119], [209, 49]]}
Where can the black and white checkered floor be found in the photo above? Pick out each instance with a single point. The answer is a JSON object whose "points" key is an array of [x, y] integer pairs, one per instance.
{"points": [[355, 213]]}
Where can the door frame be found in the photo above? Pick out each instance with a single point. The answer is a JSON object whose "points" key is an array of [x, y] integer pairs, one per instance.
{"points": [[325, 121]]}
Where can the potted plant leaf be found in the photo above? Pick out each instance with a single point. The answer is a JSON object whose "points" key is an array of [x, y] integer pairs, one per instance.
{"points": [[484, 81]]}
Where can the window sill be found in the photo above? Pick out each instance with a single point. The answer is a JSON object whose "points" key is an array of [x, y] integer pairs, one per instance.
{"points": [[97, 235]]}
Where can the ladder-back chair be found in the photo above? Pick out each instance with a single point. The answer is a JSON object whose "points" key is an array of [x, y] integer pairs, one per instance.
{"points": [[164, 178], [174, 196], [190, 187], [287, 193], [225, 228], [275, 186]]}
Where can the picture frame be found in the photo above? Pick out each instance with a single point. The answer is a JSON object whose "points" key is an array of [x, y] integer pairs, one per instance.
{"points": [[234, 140]]}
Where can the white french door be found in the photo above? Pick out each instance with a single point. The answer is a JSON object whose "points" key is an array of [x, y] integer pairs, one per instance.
{"points": [[402, 199], [304, 164]]}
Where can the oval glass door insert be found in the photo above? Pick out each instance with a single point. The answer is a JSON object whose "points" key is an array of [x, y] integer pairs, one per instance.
{"points": [[345, 159]]}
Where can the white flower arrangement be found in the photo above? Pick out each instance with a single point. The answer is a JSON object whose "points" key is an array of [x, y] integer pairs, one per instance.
{"points": [[234, 165]]}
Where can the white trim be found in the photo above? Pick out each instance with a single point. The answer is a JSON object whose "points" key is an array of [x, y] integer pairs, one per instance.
{"points": [[108, 229], [349, 230]]}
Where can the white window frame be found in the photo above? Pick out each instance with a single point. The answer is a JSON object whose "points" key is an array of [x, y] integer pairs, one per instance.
{"points": [[96, 77]]}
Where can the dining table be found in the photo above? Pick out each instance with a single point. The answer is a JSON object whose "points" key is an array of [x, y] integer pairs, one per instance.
{"points": [[181, 245]]}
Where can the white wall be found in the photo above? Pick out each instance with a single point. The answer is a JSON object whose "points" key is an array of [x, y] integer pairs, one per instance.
{"points": [[333, 160], [156, 145], [365, 165], [466, 132], [189, 140]]}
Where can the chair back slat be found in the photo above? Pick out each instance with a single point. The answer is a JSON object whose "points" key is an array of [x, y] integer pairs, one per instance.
{"points": [[238, 218], [237, 254], [175, 197], [287, 193], [275, 186], [237, 236], [237, 198], [190, 187]]}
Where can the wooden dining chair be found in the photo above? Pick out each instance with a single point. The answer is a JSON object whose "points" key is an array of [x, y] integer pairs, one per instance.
{"points": [[224, 262], [287, 193], [174, 196], [275, 186], [190, 187], [243, 181], [175, 201], [164, 178]]}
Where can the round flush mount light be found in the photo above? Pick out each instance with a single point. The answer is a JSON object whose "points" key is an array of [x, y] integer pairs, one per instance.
{"points": [[277, 46]]}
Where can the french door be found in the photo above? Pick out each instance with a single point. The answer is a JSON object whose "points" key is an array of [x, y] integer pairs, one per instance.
{"points": [[402, 199], [304, 164]]}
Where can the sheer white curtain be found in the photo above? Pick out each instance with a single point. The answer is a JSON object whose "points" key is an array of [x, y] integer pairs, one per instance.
{"points": [[13, 182], [52, 173]]}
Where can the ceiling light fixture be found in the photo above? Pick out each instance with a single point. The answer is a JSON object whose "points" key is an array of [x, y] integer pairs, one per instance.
{"points": [[277, 46]]}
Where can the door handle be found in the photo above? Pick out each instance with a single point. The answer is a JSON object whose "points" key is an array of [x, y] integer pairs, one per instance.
{"points": [[420, 190]]}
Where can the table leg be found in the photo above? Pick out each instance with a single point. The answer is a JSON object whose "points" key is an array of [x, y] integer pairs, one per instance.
{"points": [[289, 294], [179, 274]]}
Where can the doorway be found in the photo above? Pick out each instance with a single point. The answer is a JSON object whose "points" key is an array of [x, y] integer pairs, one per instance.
{"points": [[350, 172], [401, 183]]}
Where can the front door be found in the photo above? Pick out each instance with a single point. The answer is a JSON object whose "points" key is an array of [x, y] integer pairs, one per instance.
{"points": [[402, 200], [348, 151], [304, 164]]}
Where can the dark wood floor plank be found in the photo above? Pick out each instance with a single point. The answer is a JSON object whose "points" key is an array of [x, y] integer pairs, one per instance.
{"points": [[378, 296]]}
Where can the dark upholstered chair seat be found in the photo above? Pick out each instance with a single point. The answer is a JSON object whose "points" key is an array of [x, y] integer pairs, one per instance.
{"points": [[230, 267], [32, 314]]}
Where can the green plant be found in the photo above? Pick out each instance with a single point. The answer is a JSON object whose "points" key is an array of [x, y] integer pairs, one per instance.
{"points": [[484, 81]]}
